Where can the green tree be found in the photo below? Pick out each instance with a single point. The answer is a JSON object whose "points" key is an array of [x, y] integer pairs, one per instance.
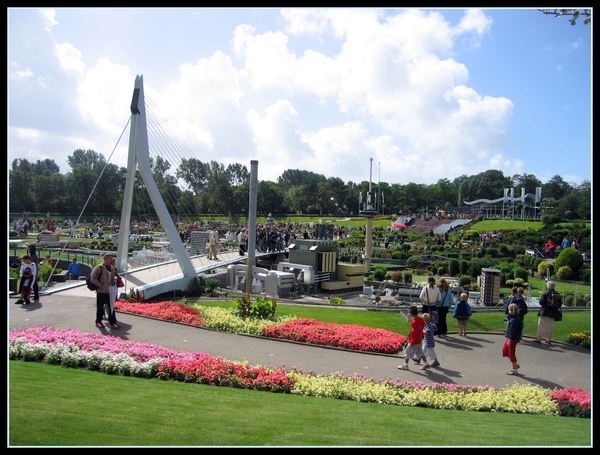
{"points": [[556, 188], [269, 198], [21, 195]]}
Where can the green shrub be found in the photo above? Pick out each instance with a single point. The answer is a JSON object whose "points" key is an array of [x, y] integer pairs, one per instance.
{"points": [[565, 273], [543, 267], [335, 300], [464, 280], [413, 262], [211, 285], [585, 274], [197, 286], [520, 272], [44, 272], [569, 257], [380, 273], [453, 267], [263, 308]]}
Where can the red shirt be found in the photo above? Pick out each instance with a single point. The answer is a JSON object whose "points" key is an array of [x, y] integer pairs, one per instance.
{"points": [[416, 330]]}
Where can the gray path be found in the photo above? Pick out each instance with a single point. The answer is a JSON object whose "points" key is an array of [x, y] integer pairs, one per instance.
{"points": [[472, 360]]}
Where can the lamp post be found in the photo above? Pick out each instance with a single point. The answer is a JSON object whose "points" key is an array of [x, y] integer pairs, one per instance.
{"points": [[368, 212]]}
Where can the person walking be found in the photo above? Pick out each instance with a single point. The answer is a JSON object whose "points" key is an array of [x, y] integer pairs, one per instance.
{"points": [[443, 306], [74, 270], [32, 252], [104, 277], [550, 303], [462, 313], [213, 243], [430, 295], [514, 332], [414, 350], [429, 343]]}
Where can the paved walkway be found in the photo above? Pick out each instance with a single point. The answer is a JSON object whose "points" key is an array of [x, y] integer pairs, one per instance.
{"points": [[472, 360]]}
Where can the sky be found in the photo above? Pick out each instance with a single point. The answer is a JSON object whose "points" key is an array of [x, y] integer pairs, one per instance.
{"points": [[383, 95]]}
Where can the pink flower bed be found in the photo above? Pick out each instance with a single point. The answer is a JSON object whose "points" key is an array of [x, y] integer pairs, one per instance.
{"points": [[574, 402], [347, 336], [88, 342]]}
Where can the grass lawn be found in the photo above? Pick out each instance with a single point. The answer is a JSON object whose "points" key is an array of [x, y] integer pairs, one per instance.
{"points": [[55, 406]]}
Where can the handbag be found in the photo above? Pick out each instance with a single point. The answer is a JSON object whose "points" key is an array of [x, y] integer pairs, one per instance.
{"points": [[120, 283], [558, 316]]}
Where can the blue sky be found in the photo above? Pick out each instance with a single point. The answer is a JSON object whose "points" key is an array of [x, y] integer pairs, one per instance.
{"points": [[427, 94]]}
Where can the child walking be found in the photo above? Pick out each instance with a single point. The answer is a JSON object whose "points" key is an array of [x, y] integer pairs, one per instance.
{"points": [[462, 313], [514, 331], [414, 349], [429, 342]]}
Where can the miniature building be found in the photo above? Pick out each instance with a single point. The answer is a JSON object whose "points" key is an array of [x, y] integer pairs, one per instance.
{"points": [[322, 255], [489, 283]]}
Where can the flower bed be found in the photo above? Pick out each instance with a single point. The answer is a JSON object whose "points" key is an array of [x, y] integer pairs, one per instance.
{"points": [[114, 355], [305, 330], [347, 336]]}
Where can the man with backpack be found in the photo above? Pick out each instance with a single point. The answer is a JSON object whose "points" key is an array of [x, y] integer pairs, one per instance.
{"points": [[103, 276], [550, 303]]}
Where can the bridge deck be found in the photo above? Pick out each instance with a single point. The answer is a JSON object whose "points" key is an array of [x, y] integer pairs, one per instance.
{"points": [[152, 273]]}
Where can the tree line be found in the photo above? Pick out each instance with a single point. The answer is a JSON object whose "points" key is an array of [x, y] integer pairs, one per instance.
{"points": [[197, 188]]}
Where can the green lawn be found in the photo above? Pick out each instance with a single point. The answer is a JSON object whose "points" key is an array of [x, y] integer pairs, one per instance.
{"points": [[54, 406]]}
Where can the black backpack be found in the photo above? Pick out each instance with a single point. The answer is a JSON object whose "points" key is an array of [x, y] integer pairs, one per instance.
{"points": [[88, 280], [554, 300]]}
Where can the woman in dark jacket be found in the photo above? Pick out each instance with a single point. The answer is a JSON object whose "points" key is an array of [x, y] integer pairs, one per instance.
{"points": [[548, 313], [443, 306]]}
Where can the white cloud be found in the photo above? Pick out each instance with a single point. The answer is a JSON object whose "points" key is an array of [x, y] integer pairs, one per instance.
{"points": [[323, 90], [70, 58], [305, 21], [49, 18], [476, 21]]}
